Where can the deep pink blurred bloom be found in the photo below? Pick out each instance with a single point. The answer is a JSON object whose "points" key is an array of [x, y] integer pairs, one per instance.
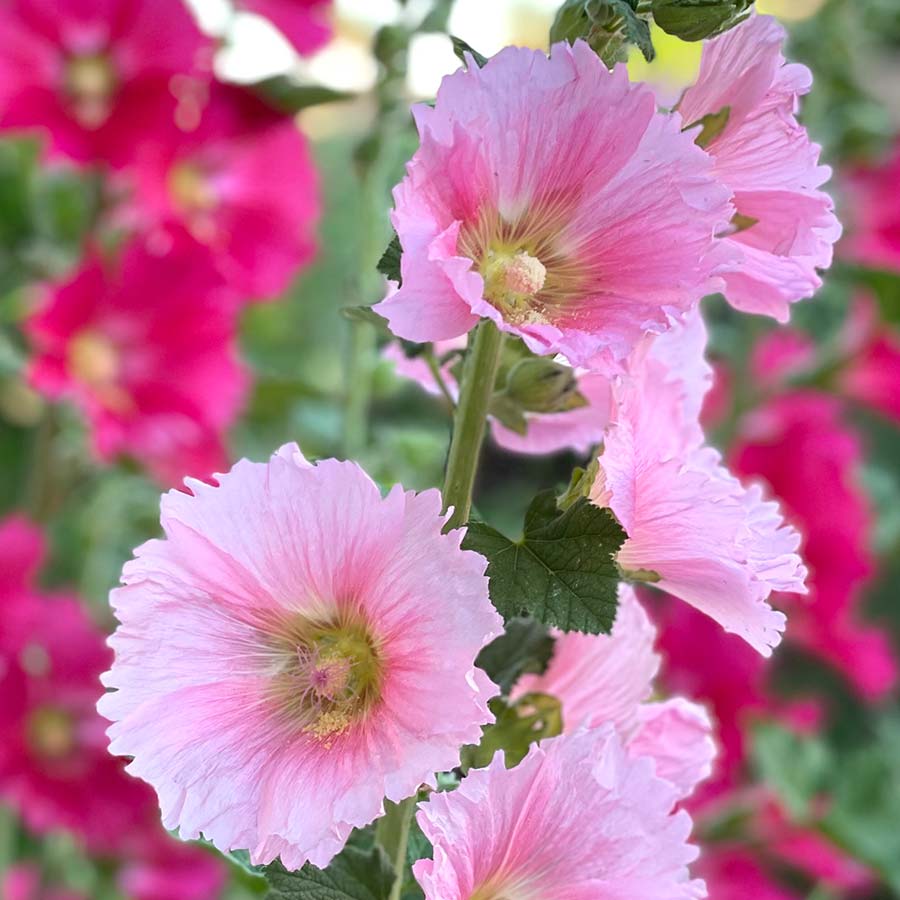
{"points": [[239, 179], [800, 446], [167, 869], [25, 882], [787, 226], [54, 768], [733, 873], [147, 349], [305, 23], [873, 194], [552, 197], [80, 71]]}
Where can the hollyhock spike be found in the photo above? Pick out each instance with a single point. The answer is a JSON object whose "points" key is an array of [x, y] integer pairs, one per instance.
{"points": [[294, 635], [549, 195], [516, 833], [744, 104]]}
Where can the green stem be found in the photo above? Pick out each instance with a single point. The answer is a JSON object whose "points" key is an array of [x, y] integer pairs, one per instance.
{"points": [[434, 366], [392, 832], [476, 388]]}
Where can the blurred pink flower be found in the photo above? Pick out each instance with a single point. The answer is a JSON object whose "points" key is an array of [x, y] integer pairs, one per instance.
{"points": [[167, 869], [54, 768], [239, 179], [713, 542], [550, 196], [305, 23], [785, 227], [800, 446], [25, 882], [79, 71], [147, 349], [733, 873], [608, 679], [578, 429], [873, 195], [295, 650], [519, 833]]}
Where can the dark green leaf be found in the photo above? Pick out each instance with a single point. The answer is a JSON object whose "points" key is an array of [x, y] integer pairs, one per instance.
{"points": [[289, 97], [461, 48], [389, 264], [525, 646], [696, 20], [742, 222], [562, 571], [531, 718], [355, 874], [712, 126]]}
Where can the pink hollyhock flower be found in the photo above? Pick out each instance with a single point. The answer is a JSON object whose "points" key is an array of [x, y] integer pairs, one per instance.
{"points": [[550, 196], [303, 22], [718, 545], [54, 767], [240, 180], [172, 870], [735, 874], [800, 446], [25, 882], [282, 655], [874, 208], [577, 429], [746, 98], [608, 679], [77, 71], [147, 349], [520, 832]]}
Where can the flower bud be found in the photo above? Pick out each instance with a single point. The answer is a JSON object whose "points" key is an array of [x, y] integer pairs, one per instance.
{"points": [[542, 385], [695, 20]]}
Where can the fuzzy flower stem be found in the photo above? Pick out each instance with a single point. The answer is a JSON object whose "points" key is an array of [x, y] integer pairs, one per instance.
{"points": [[479, 373], [392, 832]]}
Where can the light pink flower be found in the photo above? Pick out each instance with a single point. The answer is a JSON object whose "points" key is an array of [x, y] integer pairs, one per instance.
{"points": [[284, 651], [766, 158], [578, 429], [550, 196], [577, 819], [239, 179], [76, 72], [608, 679], [713, 542], [303, 22], [147, 349]]}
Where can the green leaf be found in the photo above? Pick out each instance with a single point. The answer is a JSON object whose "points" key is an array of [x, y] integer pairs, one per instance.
{"points": [[742, 223], [562, 571], [531, 718], [712, 124], [508, 413], [355, 874], [364, 314], [389, 264], [461, 48], [289, 97], [525, 646], [696, 20]]}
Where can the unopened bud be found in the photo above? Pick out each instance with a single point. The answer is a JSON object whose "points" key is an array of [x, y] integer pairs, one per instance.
{"points": [[542, 385], [696, 20]]}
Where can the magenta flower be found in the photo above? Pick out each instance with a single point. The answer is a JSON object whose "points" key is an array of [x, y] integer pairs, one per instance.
{"points": [[711, 541], [147, 349], [522, 833], [550, 196], [75, 72], [305, 23], [746, 98], [240, 180], [608, 679], [296, 649]]}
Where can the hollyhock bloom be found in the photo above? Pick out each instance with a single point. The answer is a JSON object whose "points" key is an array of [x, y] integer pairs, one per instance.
{"points": [[25, 882], [77, 71], [602, 679], [550, 196], [240, 181], [520, 832], [746, 99], [54, 767], [578, 429], [874, 208], [816, 481], [282, 654], [167, 868], [713, 542], [147, 350], [735, 874], [303, 22]]}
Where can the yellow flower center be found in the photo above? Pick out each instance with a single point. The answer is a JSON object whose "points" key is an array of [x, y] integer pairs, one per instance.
{"points": [[51, 732], [504, 888], [191, 189], [91, 82], [94, 360], [511, 280]]}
